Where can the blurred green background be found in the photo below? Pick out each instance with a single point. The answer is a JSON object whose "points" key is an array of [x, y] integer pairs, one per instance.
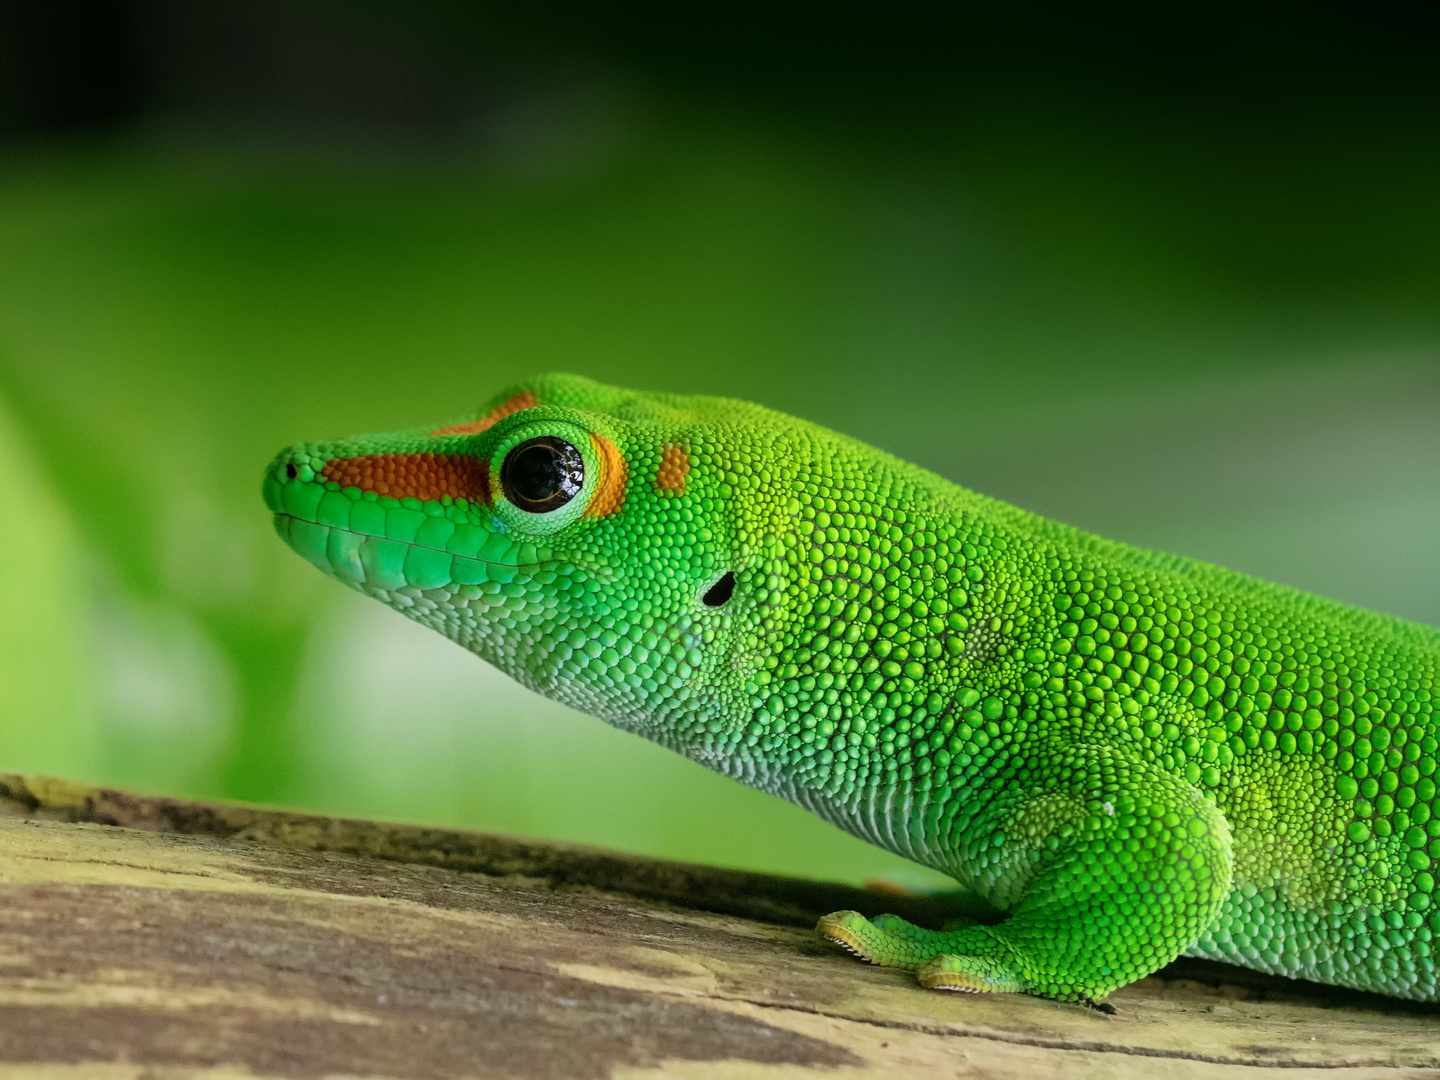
{"points": [[1172, 276]]}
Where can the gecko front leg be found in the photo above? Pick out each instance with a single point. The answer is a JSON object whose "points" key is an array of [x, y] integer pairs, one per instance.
{"points": [[1108, 868]]}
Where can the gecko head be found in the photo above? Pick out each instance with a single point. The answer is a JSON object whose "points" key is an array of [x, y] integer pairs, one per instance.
{"points": [[587, 540]]}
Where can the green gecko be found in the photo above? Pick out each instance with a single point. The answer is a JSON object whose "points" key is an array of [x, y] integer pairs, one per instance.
{"points": [[1132, 755]]}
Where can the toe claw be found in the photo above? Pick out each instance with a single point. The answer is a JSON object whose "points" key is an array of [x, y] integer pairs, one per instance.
{"points": [[881, 942], [844, 929]]}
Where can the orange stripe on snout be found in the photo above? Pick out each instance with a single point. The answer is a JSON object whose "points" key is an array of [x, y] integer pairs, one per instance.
{"points": [[614, 473], [414, 476], [523, 400]]}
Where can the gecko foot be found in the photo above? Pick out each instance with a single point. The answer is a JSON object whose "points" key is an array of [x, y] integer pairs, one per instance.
{"points": [[969, 959], [886, 940], [968, 975]]}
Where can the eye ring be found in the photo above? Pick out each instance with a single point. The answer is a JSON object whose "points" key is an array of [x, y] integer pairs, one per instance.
{"points": [[542, 474]]}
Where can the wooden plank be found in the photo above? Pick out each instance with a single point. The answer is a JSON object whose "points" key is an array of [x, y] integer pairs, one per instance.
{"points": [[123, 952]]}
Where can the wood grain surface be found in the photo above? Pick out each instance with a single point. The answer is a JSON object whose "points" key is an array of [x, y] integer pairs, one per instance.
{"points": [[284, 945]]}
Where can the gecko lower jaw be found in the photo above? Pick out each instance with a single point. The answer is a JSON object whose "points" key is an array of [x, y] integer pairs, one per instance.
{"points": [[380, 562]]}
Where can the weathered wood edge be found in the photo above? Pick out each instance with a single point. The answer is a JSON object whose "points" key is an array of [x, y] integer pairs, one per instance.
{"points": [[135, 955], [770, 898], [122, 921], [784, 900]]}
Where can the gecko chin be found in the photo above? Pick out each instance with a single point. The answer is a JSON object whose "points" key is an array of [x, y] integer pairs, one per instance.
{"points": [[521, 608]]}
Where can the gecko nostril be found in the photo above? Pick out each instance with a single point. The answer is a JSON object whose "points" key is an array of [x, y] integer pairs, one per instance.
{"points": [[718, 593], [290, 471]]}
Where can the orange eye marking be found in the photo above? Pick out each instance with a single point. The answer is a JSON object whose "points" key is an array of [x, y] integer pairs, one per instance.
{"points": [[523, 400], [614, 473], [414, 476], [674, 469]]}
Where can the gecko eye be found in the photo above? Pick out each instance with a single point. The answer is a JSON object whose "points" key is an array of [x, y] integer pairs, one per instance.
{"points": [[542, 474]]}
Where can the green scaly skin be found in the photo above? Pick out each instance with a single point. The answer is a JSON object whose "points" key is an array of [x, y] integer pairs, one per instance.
{"points": [[1133, 755]]}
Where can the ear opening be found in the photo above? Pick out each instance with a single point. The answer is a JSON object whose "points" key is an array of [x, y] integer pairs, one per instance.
{"points": [[721, 591]]}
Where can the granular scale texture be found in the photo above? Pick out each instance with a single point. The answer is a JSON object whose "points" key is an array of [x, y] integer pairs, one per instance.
{"points": [[1133, 755]]}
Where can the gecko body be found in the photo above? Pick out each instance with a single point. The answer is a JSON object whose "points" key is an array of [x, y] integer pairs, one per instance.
{"points": [[1132, 755]]}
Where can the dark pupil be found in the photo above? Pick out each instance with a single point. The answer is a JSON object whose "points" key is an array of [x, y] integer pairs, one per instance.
{"points": [[542, 474]]}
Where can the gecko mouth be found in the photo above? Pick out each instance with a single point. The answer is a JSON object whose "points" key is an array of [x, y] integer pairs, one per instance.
{"points": [[486, 560]]}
